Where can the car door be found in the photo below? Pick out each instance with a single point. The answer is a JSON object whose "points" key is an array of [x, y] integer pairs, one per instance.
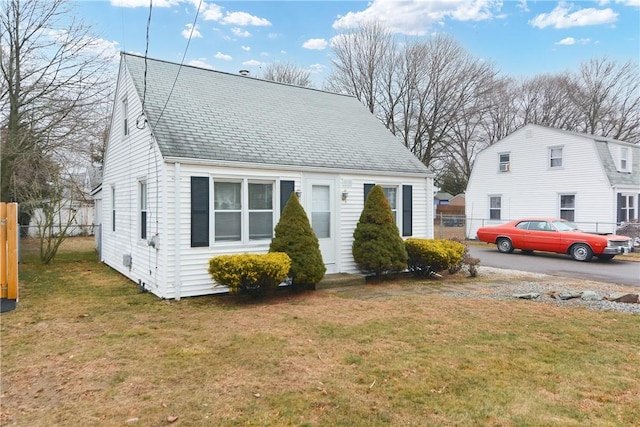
{"points": [[542, 236]]}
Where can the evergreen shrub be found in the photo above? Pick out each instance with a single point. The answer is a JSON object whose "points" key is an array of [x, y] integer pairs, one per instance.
{"points": [[429, 256], [250, 273], [377, 245], [295, 237]]}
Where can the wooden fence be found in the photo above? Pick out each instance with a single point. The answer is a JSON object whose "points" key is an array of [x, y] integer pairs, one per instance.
{"points": [[9, 251]]}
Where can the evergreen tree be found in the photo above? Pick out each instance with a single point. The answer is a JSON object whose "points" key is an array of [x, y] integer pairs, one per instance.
{"points": [[295, 237], [377, 245]]}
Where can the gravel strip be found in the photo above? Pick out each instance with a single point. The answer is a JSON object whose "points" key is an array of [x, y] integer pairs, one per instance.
{"points": [[545, 285]]}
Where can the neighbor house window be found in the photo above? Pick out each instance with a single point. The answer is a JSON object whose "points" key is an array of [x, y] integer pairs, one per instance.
{"points": [[505, 160], [142, 203], [113, 208], [495, 207], [125, 117], [626, 207], [624, 159], [568, 207], [555, 157]]}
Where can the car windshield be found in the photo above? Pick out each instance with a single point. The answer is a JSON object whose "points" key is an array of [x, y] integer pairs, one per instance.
{"points": [[565, 225]]}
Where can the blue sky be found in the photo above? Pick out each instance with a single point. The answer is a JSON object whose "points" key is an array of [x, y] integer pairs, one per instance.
{"points": [[522, 38]]}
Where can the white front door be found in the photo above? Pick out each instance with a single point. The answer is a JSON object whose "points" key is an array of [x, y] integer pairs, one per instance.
{"points": [[321, 210]]}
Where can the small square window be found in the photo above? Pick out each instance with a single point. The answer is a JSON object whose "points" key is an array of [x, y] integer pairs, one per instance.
{"points": [[555, 157], [505, 160]]}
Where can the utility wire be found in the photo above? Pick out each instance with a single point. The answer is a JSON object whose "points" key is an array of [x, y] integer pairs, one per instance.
{"points": [[193, 27], [144, 90]]}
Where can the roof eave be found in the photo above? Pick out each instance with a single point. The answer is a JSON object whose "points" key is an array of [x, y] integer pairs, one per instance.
{"points": [[293, 168]]}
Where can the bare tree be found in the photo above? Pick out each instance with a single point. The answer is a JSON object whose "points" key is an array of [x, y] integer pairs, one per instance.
{"points": [[52, 78], [607, 97], [285, 72], [360, 58]]}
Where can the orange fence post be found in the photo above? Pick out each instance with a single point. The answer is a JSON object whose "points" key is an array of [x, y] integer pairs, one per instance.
{"points": [[3, 250], [12, 251]]}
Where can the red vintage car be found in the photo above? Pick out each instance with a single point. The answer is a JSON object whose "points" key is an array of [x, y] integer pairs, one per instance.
{"points": [[554, 235]]}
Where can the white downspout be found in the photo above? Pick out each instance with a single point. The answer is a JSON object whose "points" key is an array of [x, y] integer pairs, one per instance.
{"points": [[176, 239]]}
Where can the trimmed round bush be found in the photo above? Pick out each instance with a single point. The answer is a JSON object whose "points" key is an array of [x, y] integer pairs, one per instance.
{"points": [[295, 237], [428, 256], [250, 273], [377, 245]]}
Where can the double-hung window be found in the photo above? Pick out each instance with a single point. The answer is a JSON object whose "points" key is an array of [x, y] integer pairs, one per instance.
{"points": [[142, 192], [504, 162], [555, 157], [495, 207], [125, 117], [391, 193], [113, 208], [626, 207], [624, 159], [568, 207], [242, 210]]}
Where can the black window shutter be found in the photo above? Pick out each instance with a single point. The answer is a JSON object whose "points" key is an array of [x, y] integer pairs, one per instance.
{"points": [[407, 210], [199, 211], [286, 188], [619, 208], [367, 188]]}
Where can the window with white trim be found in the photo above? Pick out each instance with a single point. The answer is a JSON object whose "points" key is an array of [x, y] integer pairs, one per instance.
{"points": [[125, 117], [624, 159], [113, 208], [391, 193], [495, 207], [142, 205], [555, 157], [504, 163], [237, 219], [568, 207], [626, 207]]}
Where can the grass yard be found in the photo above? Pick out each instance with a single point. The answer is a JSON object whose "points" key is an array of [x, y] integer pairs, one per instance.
{"points": [[84, 347]]}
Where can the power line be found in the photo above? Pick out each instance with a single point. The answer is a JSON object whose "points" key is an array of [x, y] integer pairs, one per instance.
{"points": [[193, 27]]}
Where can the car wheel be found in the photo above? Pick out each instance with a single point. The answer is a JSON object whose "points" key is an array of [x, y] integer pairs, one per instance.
{"points": [[581, 252], [606, 257], [504, 245]]}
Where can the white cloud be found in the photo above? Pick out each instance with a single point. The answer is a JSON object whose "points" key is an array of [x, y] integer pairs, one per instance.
{"points": [[202, 63], [212, 12], [315, 44], [263, 54], [633, 3], [568, 41], [243, 19], [240, 32], [562, 17], [222, 56], [186, 33], [245, 48], [252, 63], [284, 52], [317, 68], [273, 36], [104, 48], [415, 17]]}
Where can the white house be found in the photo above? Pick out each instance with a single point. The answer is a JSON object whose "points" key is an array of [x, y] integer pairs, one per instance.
{"points": [[542, 171], [200, 163]]}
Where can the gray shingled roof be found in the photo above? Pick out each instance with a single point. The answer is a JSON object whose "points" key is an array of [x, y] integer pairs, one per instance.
{"points": [[219, 116], [619, 178]]}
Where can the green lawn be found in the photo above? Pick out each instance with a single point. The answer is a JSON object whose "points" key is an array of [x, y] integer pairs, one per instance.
{"points": [[86, 348]]}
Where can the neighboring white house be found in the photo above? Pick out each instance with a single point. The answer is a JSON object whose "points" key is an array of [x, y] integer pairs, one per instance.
{"points": [[75, 212], [200, 163], [542, 171]]}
